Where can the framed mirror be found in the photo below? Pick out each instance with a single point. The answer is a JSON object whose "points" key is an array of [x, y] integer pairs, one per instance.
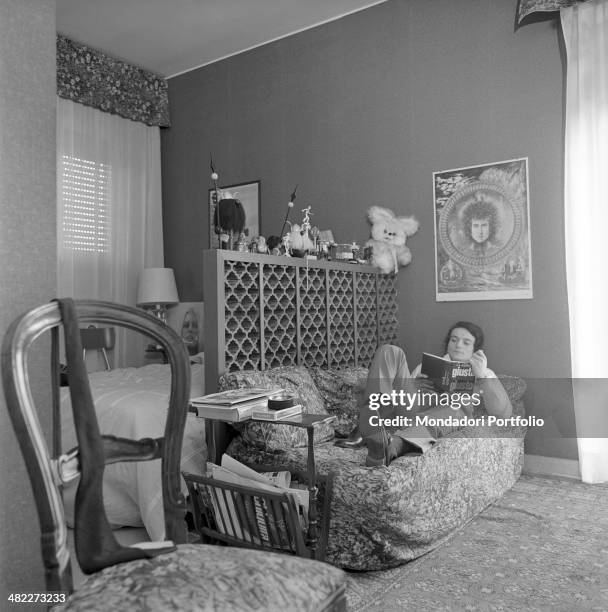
{"points": [[249, 196]]}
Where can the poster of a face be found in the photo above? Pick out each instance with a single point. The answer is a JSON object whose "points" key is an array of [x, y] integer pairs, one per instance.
{"points": [[482, 232]]}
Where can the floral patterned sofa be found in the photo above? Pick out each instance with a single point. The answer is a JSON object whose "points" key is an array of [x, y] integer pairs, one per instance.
{"points": [[382, 517]]}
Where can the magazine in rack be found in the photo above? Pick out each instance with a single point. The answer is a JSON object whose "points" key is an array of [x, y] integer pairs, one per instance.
{"points": [[233, 472]]}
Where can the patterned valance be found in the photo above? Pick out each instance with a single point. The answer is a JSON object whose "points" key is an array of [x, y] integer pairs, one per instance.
{"points": [[525, 7], [95, 79]]}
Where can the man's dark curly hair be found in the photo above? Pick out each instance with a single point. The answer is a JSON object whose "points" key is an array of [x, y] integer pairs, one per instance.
{"points": [[480, 209], [473, 329]]}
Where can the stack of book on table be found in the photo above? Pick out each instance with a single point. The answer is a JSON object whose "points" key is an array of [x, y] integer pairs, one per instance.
{"points": [[226, 514], [237, 405], [233, 404]]}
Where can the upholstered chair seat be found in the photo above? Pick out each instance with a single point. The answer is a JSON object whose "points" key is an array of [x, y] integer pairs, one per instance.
{"points": [[201, 577]]}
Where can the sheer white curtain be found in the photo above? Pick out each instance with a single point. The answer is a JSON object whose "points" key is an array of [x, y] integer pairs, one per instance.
{"points": [[585, 28], [109, 218]]}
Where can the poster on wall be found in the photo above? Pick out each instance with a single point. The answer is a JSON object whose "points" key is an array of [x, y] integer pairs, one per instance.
{"points": [[482, 232]]}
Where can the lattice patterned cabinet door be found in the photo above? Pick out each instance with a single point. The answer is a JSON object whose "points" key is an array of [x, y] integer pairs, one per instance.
{"points": [[313, 319], [367, 318], [242, 314], [280, 337], [341, 315]]}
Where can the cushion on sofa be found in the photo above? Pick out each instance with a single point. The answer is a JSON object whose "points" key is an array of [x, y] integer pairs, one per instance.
{"points": [[514, 386], [295, 379], [341, 390]]}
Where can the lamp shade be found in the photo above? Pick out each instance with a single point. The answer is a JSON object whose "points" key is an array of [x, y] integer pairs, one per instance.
{"points": [[156, 286]]}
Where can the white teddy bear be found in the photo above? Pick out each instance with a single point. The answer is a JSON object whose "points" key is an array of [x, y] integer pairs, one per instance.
{"points": [[389, 235]]}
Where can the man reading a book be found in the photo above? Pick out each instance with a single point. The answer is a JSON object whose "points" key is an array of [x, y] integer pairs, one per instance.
{"points": [[389, 372]]}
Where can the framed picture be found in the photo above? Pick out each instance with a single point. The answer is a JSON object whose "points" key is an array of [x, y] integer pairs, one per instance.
{"points": [[482, 232], [249, 196]]}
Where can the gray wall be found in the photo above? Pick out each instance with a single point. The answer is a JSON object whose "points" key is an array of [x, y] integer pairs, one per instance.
{"points": [[27, 249], [361, 111]]}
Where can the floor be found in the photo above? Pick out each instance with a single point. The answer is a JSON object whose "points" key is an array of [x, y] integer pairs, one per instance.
{"points": [[543, 546]]}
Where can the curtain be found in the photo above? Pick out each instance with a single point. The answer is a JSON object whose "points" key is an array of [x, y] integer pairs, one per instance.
{"points": [[109, 221], [91, 77], [527, 7], [585, 29]]}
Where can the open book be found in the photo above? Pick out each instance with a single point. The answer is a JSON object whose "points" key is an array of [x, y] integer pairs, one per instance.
{"points": [[448, 376]]}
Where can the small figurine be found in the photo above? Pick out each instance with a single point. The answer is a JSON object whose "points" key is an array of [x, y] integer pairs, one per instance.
{"points": [[306, 220], [295, 238], [286, 244], [314, 234], [261, 246], [241, 243]]}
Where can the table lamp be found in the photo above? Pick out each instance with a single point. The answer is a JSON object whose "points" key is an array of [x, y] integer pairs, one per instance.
{"points": [[157, 290]]}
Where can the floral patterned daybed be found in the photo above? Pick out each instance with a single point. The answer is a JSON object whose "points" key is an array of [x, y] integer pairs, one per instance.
{"points": [[382, 517]]}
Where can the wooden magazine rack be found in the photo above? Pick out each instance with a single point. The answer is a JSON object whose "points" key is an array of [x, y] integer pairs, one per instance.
{"points": [[243, 516]]}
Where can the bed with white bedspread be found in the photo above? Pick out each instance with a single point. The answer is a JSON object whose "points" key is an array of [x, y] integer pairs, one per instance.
{"points": [[132, 403]]}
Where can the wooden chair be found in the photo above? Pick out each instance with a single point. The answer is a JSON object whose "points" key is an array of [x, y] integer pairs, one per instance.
{"points": [[169, 575]]}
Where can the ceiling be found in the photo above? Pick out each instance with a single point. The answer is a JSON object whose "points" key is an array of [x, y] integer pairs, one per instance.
{"points": [[174, 36]]}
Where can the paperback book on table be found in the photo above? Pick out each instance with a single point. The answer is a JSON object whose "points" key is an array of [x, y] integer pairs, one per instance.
{"points": [[276, 415], [448, 376]]}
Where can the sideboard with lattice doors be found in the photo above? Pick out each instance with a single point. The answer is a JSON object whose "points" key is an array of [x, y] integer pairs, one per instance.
{"points": [[263, 311]]}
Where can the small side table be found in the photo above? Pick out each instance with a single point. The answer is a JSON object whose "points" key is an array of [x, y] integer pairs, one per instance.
{"points": [[308, 421]]}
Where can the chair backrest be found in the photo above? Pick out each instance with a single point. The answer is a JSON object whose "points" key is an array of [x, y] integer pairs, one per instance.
{"points": [[96, 546], [98, 339]]}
